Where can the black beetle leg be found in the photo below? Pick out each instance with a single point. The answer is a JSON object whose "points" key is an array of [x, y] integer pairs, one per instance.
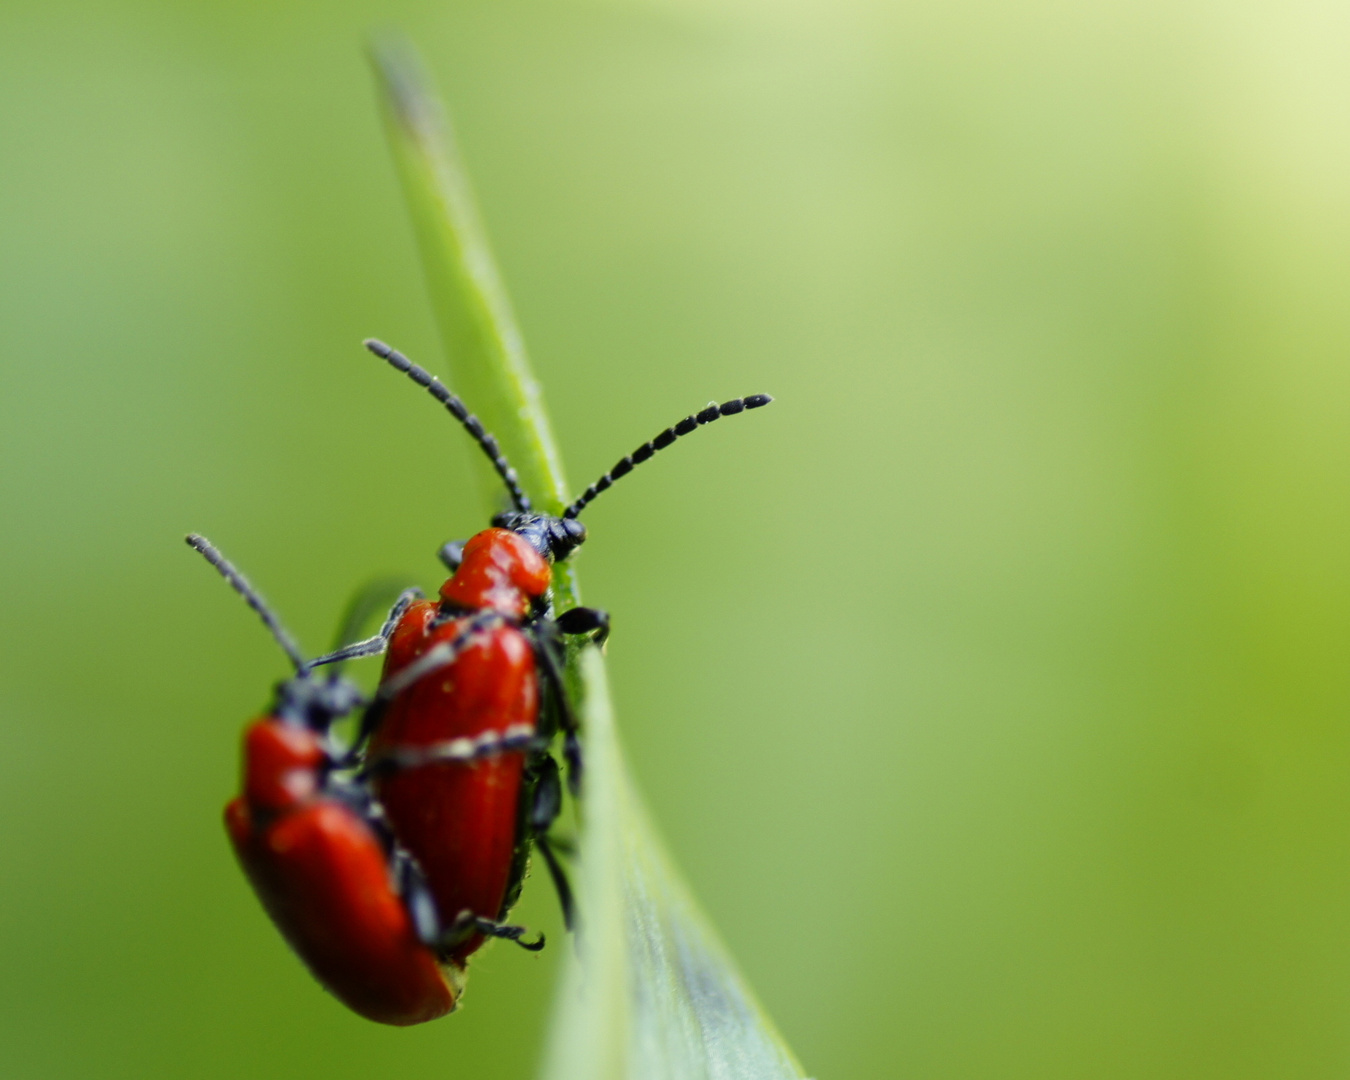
{"points": [[545, 643], [372, 646], [585, 620], [467, 924], [543, 813]]}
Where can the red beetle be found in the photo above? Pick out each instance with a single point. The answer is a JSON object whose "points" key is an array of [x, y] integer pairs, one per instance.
{"points": [[351, 904], [468, 668]]}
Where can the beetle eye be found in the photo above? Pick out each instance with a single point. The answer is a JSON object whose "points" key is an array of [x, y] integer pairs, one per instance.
{"points": [[564, 536]]}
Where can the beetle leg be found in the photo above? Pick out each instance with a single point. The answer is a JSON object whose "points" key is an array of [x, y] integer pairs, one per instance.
{"points": [[543, 813], [563, 845], [560, 882], [412, 886], [585, 620], [467, 924], [544, 643], [422, 909], [372, 646]]}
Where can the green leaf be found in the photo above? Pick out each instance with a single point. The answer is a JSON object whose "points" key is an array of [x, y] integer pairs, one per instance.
{"points": [[649, 993]]}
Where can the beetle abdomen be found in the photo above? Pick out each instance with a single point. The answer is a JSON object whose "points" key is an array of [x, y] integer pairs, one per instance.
{"points": [[322, 876]]}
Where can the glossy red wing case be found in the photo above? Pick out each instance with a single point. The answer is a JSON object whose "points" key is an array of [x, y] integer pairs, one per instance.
{"points": [[323, 877], [460, 821]]}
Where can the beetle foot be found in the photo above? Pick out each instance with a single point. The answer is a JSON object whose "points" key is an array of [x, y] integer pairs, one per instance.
{"points": [[467, 924]]}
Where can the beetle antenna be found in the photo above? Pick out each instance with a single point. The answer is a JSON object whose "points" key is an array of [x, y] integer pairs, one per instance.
{"points": [[647, 449], [377, 595], [460, 412], [241, 585]]}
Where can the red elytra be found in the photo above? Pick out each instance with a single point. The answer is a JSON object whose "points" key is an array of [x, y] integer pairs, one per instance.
{"points": [[475, 669], [308, 843], [463, 821], [324, 878]]}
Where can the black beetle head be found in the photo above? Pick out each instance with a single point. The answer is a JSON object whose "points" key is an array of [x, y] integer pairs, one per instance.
{"points": [[554, 538], [316, 703]]}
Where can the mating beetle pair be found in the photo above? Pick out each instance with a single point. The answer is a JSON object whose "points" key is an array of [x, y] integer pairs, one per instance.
{"points": [[386, 864]]}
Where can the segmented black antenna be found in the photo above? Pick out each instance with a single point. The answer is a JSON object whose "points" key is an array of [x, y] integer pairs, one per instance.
{"points": [[241, 585], [647, 449], [460, 412]]}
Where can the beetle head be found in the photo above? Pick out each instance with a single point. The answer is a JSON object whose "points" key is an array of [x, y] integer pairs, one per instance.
{"points": [[555, 538]]}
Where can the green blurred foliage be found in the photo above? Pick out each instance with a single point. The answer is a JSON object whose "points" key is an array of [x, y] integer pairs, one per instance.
{"points": [[991, 688]]}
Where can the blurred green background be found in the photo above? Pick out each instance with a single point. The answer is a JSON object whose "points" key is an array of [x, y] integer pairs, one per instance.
{"points": [[991, 688]]}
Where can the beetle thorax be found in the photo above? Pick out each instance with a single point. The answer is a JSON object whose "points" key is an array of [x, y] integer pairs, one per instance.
{"points": [[500, 571], [283, 765]]}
